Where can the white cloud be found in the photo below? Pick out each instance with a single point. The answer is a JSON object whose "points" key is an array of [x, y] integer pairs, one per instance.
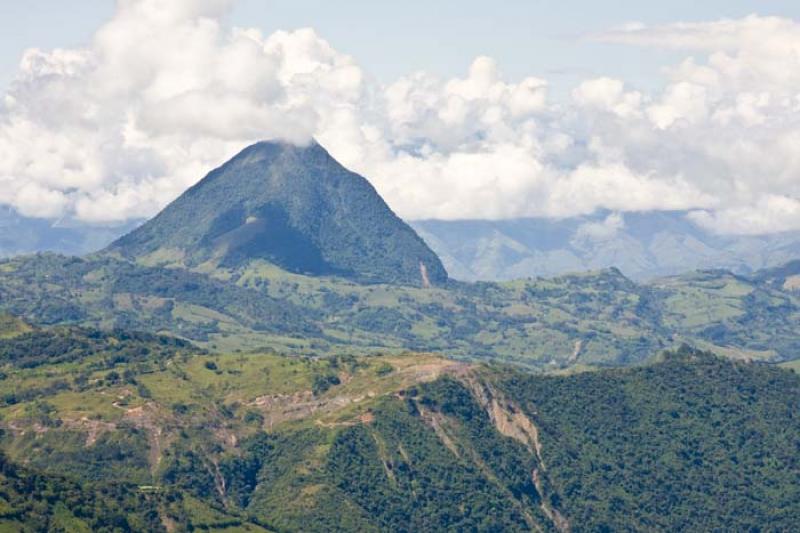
{"points": [[744, 53], [682, 101], [770, 214], [729, 123], [601, 231], [166, 91], [607, 94]]}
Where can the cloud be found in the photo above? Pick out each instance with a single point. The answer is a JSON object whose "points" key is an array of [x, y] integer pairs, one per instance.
{"points": [[601, 231], [607, 94], [167, 90], [163, 93], [771, 214], [750, 53]]}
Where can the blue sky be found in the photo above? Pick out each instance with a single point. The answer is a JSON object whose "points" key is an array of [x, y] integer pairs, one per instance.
{"points": [[389, 39]]}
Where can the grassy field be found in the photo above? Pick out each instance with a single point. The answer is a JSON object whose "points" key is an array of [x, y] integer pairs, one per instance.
{"points": [[792, 365], [11, 326], [83, 393]]}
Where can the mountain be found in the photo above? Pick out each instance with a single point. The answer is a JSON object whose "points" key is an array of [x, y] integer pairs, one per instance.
{"points": [[268, 354], [283, 248], [785, 277], [642, 245], [182, 440], [296, 208], [25, 235]]}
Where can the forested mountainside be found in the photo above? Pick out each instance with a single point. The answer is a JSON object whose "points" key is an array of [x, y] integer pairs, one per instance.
{"points": [[599, 318], [141, 432], [295, 207]]}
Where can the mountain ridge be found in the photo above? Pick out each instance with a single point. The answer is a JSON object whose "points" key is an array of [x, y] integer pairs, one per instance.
{"points": [[644, 246], [666, 244], [413, 442]]}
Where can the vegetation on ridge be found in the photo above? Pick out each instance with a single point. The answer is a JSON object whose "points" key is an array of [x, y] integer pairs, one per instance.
{"points": [[599, 318], [396, 442]]}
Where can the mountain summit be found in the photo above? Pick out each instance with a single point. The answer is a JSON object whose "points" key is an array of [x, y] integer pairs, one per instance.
{"points": [[294, 206]]}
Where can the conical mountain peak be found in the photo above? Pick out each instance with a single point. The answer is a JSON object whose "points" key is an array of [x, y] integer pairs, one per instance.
{"points": [[294, 206]]}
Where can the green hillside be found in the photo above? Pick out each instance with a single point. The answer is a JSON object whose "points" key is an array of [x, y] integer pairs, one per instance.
{"points": [[597, 318], [690, 443], [32, 502], [11, 326], [792, 365], [185, 440]]}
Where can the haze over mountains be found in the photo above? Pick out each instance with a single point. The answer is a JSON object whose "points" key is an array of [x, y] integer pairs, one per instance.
{"points": [[642, 245], [24, 235]]}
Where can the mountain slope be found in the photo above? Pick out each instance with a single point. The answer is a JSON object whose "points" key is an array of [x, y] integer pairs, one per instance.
{"points": [[534, 323], [692, 443], [410, 443], [33, 502], [295, 207]]}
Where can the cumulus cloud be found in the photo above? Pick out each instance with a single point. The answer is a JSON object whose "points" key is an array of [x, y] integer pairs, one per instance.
{"points": [[601, 231], [728, 122], [608, 94], [167, 90], [768, 214], [163, 93]]}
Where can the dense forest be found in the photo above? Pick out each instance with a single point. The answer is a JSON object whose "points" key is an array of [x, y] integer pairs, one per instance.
{"points": [[694, 442], [133, 432], [33, 502]]}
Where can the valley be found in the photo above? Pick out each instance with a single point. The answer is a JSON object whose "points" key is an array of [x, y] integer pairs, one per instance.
{"points": [[240, 363], [398, 267]]}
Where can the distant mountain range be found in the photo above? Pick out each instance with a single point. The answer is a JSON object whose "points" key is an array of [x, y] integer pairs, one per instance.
{"points": [[642, 245], [23, 235]]}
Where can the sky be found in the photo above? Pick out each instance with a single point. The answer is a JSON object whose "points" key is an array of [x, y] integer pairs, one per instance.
{"points": [[542, 37], [452, 109]]}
